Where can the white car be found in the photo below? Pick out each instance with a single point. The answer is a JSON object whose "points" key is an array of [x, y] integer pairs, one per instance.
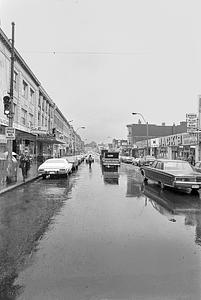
{"points": [[55, 166]]}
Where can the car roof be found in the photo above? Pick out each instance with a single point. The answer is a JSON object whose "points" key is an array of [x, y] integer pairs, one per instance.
{"points": [[171, 160]]}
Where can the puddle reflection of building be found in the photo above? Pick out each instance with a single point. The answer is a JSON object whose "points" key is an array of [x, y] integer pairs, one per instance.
{"points": [[135, 184], [172, 204]]}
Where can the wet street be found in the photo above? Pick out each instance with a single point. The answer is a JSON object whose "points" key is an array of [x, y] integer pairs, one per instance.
{"points": [[99, 236]]}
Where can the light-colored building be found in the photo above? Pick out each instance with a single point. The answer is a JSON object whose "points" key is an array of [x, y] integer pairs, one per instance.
{"points": [[40, 126]]}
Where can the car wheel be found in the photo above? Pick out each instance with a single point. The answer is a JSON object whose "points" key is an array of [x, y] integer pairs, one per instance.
{"points": [[44, 176], [194, 191]]}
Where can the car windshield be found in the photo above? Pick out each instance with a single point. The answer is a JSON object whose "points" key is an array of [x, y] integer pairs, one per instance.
{"points": [[182, 166], [59, 161]]}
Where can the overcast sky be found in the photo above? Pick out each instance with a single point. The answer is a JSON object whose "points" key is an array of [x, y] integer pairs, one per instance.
{"points": [[101, 60]]}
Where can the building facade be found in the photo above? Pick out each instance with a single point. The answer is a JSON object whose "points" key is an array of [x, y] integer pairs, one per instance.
{"points": [[40, 127]]}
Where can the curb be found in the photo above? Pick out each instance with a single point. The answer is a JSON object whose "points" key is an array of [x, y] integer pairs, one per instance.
{"points": [[16, 185]]}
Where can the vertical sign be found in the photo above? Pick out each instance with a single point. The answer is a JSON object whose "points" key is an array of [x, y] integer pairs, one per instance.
{"points": [[192, 122]]}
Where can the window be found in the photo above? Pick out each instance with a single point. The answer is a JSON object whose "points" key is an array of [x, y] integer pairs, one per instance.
{"points": [[39, 101], [23, 116], [39, 117], [24, 89], [15, 112], [15, 80], [43, 104], [30, 120], [32, 96], [159, 165]]}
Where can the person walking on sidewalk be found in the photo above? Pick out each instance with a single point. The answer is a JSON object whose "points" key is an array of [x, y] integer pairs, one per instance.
{"points": [[90, 160], [24, 165]]}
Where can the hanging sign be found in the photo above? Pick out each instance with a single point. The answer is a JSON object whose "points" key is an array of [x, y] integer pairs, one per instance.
{"points": [[191, 122]]}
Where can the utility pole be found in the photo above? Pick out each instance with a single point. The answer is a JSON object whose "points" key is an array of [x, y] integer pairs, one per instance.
{"points": [[10, 116]]}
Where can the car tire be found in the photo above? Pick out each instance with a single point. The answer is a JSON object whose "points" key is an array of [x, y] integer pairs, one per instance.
{"points": [[44, 176], [194, 191]]}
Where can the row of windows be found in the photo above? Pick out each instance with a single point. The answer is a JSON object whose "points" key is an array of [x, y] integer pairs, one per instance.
{"points": [[44, 106], [27, 92], [26, 119]]}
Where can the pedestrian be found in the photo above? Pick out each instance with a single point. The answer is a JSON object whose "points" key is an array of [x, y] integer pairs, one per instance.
{"points": [[191, 159], [90, 160], [24, 165]]}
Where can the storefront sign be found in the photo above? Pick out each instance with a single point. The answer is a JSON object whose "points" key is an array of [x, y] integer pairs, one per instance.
{"points": [[188, 139]]}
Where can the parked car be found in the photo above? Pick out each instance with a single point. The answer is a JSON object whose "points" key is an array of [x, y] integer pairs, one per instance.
{"points": [[73, 160], [145, 160], [127, 159], [55, 166], [177, 174]]}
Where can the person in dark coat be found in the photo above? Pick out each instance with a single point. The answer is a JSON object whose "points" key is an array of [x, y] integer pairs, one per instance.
{"points": [[24, 164], [90, 160]]}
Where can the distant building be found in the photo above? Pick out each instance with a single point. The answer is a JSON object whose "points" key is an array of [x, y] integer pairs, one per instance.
{"points": [[138, 132]]}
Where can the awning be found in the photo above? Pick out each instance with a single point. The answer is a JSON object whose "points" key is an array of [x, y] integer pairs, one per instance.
{"points": [[48, 140]]}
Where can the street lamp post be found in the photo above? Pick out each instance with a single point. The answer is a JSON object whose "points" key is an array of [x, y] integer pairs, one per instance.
{"points": [[147, 125]]}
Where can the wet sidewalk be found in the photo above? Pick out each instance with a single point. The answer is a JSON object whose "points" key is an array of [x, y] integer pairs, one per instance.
{"points": [[32, 175]]}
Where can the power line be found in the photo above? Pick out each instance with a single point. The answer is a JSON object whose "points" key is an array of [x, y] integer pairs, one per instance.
{"points": [[86, 52]]}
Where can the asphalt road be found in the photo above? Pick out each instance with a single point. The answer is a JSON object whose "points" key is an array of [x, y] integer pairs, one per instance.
{"points": [[98, 236]]}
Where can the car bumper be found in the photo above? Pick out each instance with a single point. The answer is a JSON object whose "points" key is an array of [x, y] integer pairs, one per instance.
{"points": [[54, 172], [187, 185]]}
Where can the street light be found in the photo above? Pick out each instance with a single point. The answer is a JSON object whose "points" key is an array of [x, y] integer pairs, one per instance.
{"points": [[137, 113]]}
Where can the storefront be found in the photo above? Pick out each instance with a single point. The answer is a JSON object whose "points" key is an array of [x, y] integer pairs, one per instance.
{"points": [[48, 146], [189, 144]]}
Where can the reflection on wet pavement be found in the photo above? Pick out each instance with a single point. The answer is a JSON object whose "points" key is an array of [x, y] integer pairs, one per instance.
{"points": [[80, 238]]}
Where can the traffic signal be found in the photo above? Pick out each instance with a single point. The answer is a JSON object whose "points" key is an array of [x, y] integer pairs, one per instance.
{"points": [[7, 105], [54, 131]]}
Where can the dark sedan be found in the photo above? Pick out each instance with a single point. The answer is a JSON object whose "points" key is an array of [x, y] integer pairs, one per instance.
{"points": [[177, 174]]}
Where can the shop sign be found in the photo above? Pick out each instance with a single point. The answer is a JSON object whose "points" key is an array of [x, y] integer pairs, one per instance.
{"points": [[10, 133], [188, 139], [192, 122]]}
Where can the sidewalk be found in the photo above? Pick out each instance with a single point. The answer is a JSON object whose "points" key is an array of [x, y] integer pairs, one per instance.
{"points": [[32, 175]]}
